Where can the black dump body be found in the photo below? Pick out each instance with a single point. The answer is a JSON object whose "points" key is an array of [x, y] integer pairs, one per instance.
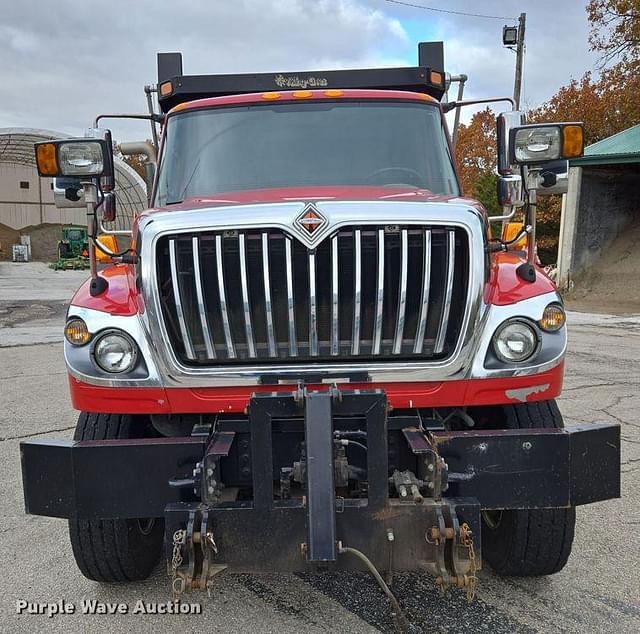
{"points": [[305, 474]]}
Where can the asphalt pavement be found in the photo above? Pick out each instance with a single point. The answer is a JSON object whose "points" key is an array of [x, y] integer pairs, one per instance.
{"points": [[598, 591]]}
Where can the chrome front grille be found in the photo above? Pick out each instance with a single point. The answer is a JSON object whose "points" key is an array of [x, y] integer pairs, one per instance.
{"points": [[365, 292]]}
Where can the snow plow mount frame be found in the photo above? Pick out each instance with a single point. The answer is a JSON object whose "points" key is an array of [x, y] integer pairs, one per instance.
{"points": [[177, 478]]}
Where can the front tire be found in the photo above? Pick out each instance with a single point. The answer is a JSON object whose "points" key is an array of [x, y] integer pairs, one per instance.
{"points": [[115, 550], [526, 543]]}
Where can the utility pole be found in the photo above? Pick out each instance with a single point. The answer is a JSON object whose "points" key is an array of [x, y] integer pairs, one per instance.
{"points": [[517, 86]]}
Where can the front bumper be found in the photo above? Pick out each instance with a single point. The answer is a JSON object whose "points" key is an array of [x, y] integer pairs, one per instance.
{"points": [[487, 470], [86, 397]]}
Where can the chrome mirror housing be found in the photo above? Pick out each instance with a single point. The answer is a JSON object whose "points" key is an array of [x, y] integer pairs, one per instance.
{"points": [[510, 191]]}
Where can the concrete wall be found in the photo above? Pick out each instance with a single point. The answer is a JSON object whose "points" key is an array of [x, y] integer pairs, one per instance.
{"points": [[20, 207], [601, 203]]}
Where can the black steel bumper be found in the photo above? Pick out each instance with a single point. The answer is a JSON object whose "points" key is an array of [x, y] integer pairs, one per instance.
{"points": [[511, 469]]}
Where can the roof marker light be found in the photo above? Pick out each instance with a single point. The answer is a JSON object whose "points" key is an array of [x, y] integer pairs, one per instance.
{"points": [[166, 88], [436, 78], [302, 94], [270, 96], [333, 93]]}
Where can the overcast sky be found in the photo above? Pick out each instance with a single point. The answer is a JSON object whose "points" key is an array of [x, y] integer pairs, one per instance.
{"points": [[66, 61]]}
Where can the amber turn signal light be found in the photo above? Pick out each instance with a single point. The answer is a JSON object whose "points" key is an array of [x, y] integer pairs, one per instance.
{"points": [[553, 318], [76, 332], [572, 141], [46, 159], [110, 244]]}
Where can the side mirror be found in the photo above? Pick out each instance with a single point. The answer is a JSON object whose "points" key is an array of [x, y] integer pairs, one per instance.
{"points": [[539, 143], [109, 207], [510, 191], [504, 123], [84, 158]]}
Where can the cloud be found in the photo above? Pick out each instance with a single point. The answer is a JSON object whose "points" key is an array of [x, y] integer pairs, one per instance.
{"points": [[65, 62], [62, 66]]}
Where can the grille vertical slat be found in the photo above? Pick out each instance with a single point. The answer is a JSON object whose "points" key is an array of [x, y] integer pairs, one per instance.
{"points": [[226, 326], [402, 291], [293, 344], [202, 309], [357, 292], [335, 315], [379, 311], [446, 304], [267, 295], [246, 305], [313, 306], [424, 302], [366, 292], [177, 298]]}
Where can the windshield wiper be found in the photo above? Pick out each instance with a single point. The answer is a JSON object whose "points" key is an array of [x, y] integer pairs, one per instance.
{"points": [[184, 189]]}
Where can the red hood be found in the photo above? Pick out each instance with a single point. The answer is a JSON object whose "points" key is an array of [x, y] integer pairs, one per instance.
{"points": [[289, 194]]}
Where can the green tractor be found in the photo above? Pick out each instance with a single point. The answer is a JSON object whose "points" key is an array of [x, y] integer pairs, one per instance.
{"points": [[73, 249]]}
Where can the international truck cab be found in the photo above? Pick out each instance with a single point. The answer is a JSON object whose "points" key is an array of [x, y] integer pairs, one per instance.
{"points": [[311, 353]]}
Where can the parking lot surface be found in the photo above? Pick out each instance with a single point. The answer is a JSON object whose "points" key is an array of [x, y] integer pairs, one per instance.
{"points": [[599, 590]]}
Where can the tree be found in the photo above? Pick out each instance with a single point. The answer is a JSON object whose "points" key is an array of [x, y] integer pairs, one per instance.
{"points": [[476, 159], [615, 31], [607, 105]]}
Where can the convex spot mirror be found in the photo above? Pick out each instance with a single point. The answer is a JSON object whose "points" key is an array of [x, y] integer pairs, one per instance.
{"points": [[510, 191], [535, 144], [109, 207], [88, 158]]}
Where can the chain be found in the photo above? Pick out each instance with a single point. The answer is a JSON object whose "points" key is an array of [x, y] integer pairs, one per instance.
{"points": [[177, 583], [466, 539]]}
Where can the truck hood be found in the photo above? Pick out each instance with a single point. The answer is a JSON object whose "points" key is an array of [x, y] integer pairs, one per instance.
{"points": [[312, 194], [295, 214]]}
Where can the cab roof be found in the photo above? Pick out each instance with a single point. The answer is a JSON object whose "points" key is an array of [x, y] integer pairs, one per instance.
{"points": [[300, 95]]}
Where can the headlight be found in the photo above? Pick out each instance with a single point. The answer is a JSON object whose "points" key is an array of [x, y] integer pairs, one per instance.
{"points": [[115, 352], [76, 332], [553, 318], [515, 341]]}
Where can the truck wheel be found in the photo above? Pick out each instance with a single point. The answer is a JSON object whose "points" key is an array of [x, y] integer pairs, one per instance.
{"points": [[527, 543], [115, 550]]}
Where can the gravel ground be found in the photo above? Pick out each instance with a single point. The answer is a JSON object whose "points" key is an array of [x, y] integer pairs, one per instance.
{"points": [[599, 590]]}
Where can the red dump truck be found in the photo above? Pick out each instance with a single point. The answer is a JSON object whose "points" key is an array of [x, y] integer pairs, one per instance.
{"points": [[311, 353]]}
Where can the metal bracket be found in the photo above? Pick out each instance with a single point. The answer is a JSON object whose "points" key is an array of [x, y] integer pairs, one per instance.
{"points": [[321, 496]]}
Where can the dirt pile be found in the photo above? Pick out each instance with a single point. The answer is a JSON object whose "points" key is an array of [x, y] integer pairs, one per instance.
{"points": [[612, 284], [44, 241], [8, 237]]}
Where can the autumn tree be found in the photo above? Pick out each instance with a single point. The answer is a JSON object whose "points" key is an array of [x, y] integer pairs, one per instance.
{"points": [[607, 105], [615, 32], [475, 154]]}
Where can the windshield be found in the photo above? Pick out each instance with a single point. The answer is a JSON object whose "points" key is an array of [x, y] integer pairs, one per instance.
{"points": [[237, 148]]}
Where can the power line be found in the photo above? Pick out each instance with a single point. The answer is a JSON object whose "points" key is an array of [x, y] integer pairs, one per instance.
{"points": [[471, 15]]}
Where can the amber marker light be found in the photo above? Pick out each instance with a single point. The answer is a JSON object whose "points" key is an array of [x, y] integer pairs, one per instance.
{"points": [[333, 93], [46, 159], [76, 332], [270, 96], [166, 88], [302, 94], [436, 78], [572, 141], [553, 318]]}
